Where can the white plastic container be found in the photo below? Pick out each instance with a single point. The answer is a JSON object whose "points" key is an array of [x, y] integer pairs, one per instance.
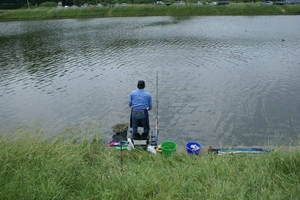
{"points": [[130, 145]]}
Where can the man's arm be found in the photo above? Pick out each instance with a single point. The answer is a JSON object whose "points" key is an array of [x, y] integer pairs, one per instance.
{"points": [[129, 101], [150, 103]]}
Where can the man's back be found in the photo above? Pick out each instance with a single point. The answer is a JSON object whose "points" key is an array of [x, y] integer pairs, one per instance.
{"points": [[140, 99]]}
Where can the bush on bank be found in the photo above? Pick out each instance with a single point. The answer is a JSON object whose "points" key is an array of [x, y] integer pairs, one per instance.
{"points": [[68, 167], [48, 4]]}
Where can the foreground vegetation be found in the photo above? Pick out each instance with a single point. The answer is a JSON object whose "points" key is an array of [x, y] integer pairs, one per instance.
{"points": [[150, 10], [35, 167]]}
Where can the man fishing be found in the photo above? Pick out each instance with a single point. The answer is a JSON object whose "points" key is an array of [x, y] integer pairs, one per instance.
{"points": [[140, 102]]}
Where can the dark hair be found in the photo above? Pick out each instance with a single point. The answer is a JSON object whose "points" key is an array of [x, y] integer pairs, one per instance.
{"points": [[141, 84]]}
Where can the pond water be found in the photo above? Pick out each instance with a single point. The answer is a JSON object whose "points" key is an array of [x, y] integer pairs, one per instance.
{"points": [[221, 80]]}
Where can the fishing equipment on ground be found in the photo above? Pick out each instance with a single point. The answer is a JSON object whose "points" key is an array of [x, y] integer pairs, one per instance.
{"points": [[120, 140], [121, 131], [120, 145], [238, 150]]}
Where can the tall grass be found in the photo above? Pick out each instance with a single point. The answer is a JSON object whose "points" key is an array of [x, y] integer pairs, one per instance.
{"points": [[33, 166], [150, 10]]}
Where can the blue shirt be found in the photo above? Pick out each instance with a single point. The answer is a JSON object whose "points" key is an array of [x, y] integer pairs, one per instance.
{"points": [[140, 99]]}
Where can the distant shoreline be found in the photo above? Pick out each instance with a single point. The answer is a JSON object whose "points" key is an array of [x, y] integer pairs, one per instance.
{"points": [[141, 10]]}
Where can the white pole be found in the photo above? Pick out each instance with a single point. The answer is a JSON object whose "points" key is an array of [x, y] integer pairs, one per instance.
{"points": [[28, 4]]}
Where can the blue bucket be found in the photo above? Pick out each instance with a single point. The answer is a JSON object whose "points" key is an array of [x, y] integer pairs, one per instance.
{"points": [[193, 148]]}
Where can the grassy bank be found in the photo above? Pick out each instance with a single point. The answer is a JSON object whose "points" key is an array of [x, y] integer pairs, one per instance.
{"points": [[150, 10], [33, 167]]}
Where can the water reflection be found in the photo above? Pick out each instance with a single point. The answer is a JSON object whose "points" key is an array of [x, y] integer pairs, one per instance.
{"points": [[222, 80]]}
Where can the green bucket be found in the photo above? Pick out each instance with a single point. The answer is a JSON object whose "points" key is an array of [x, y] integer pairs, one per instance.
{"points": [[168, 147]]}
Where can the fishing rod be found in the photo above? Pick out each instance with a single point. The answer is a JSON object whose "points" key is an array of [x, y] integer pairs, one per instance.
{"points": [[156, 117]]}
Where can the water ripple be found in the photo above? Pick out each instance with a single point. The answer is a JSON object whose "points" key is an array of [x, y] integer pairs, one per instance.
{"points": [[232, 85]]}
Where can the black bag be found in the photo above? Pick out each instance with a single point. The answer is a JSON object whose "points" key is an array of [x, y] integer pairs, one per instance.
{"points": [[121, 131]]}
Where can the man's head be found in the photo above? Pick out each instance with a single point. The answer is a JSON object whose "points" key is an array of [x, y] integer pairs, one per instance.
{"points": [[141, 84]]}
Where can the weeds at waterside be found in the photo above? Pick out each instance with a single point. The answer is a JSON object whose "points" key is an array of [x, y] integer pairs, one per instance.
{"points": [[150, 10], [35, 167]]}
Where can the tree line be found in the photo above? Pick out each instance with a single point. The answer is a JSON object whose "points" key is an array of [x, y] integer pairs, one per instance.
{"points": [[13, 4]]}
